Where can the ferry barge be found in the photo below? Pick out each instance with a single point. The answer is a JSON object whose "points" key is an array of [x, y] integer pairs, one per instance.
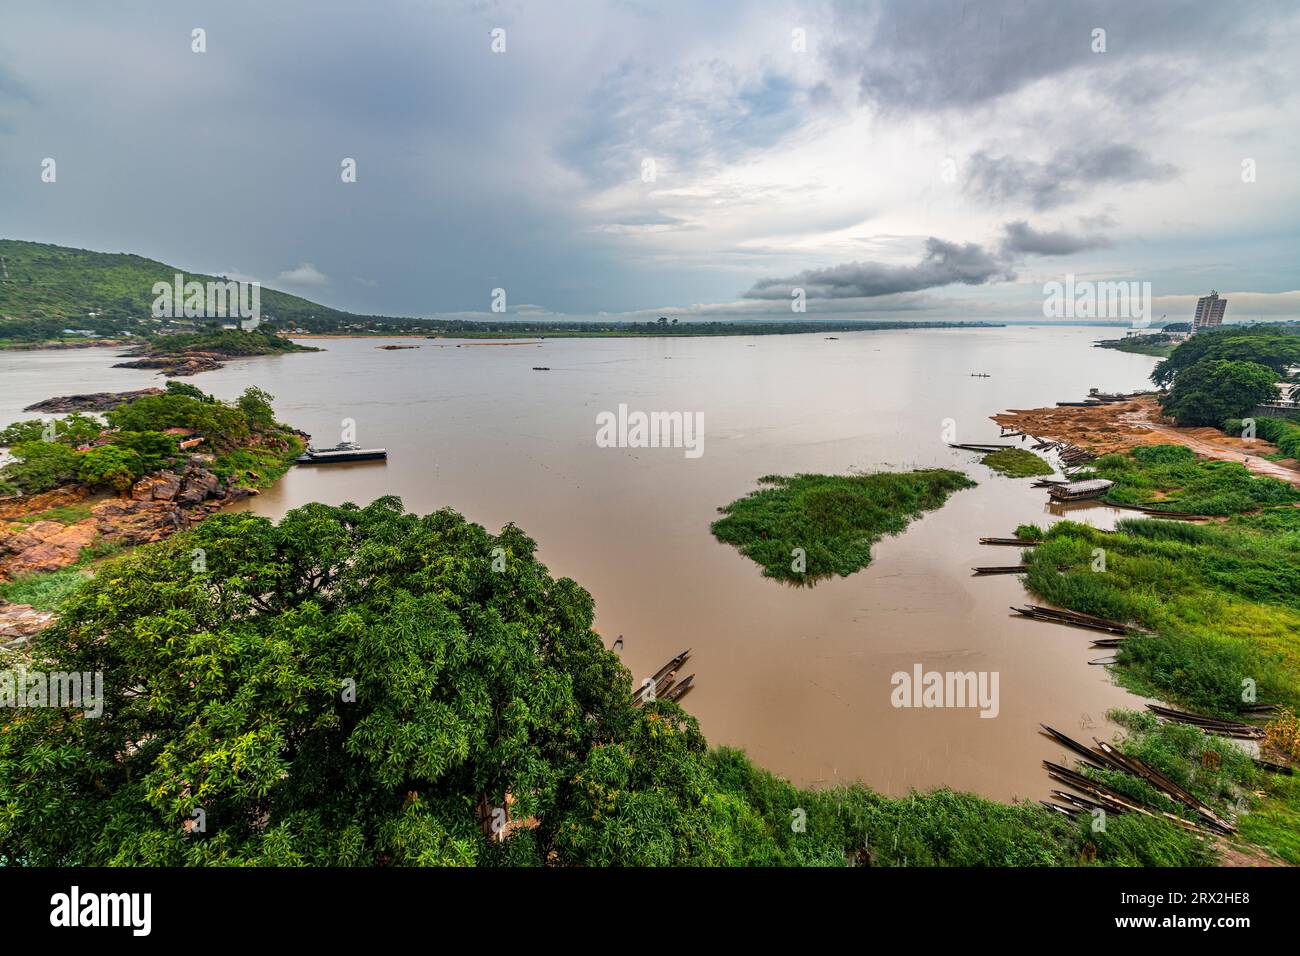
{"points": [[344, 451]]}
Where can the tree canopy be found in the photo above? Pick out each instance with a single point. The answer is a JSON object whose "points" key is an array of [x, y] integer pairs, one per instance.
{"points": [[1262, 345], [1214, 390]]}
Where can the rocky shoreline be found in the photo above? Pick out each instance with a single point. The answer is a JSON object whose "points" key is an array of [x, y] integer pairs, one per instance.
{"points": [[91, 402]]}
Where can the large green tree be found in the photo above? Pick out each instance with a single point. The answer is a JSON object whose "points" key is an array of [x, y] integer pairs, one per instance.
{"points": [[1212, 391], [335, 689], [1262, 345]]}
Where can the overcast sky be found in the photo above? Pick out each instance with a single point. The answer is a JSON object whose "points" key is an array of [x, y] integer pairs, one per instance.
{"points": [[921, 160]]}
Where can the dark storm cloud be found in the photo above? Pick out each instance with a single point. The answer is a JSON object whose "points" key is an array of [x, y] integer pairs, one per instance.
{"points": [[1070, 174], [939, 54], [1020, 238], [943, 263]]}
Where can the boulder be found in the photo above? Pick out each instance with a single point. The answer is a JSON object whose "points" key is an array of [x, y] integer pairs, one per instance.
{"points": [[130, 521], [19, 622], [163, 486], [200, 485], [44, 546]]}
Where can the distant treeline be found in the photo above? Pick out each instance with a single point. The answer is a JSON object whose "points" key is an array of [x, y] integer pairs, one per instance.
{"points": [[468, 329], [47, 289]]}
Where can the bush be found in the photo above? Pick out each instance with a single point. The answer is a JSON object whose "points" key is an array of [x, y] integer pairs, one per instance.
{"points": [[111, 466], [41, 466]]}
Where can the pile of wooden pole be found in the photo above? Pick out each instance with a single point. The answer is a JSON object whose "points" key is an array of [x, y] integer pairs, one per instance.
{"points": [[1211, 725], [1072, 455], [1106, 757]]}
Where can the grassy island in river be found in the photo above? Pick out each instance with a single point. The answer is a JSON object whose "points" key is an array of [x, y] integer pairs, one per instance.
{"points": [[1017, 463], [806, 527]]}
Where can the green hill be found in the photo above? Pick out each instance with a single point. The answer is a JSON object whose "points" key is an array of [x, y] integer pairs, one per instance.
{"points": [[46, 288]]}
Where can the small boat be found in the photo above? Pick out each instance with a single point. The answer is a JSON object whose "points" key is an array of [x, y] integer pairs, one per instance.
{"points": [[343, 451], [1080, 490], [681, 690]]}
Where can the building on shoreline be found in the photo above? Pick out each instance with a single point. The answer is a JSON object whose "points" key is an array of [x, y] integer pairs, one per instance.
{"points": [[1209, 312]]}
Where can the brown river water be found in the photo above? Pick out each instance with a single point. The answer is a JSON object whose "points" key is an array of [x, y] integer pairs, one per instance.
{"points": [[798, 677]]}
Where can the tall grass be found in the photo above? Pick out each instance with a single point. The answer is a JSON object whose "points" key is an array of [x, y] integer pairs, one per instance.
{"points": [[1173, 478], [1224, 603]]}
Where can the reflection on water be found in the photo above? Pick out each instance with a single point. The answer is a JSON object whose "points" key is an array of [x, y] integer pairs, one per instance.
{"points": [[798, 676]]}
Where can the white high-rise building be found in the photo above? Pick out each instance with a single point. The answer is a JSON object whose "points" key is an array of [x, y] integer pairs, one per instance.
{"points": [[1209, 312]]}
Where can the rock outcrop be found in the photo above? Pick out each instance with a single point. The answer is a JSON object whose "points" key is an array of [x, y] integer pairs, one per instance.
{"points": [[157, 506], [92, 402], [20, 507], [42, 546], [178, 366], [164, 486]]}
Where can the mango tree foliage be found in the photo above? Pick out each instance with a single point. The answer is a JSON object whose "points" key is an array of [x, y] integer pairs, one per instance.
{"points": [[229, 691]]}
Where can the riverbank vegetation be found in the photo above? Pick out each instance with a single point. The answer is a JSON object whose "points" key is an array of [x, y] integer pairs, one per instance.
{"points": [[1217, 771], [47, 590], [1265, 345], [362, 686], [1222, 603], [1284, 433], [1224, 373], [806, 527], [1174, 478], [228, 343], [1017, 463], [1160, 344]]}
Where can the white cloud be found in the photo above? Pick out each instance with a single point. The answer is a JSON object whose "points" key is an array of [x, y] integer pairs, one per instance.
{"points": [[305, 274]]}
